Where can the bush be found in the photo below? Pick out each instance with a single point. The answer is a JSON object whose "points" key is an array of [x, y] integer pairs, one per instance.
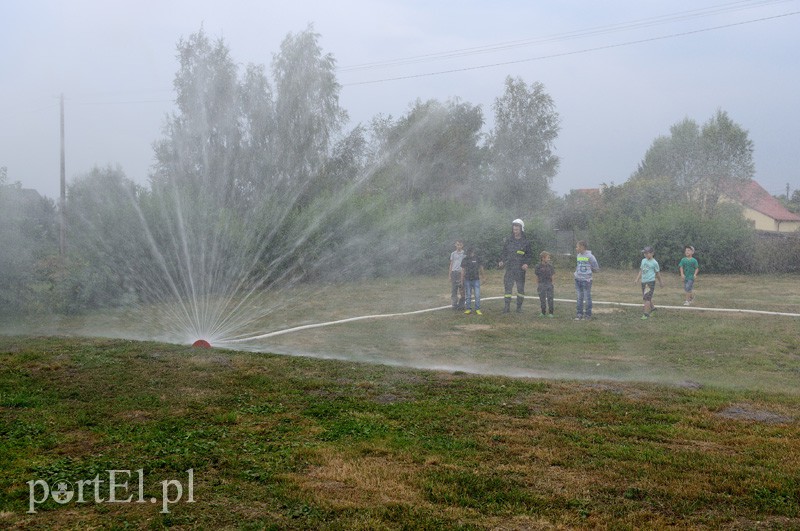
{"points": [[726, 242], [723, 243], [776, 253], [28, 234]]}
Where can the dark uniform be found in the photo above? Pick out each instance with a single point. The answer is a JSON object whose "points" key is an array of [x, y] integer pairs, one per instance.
{"points": [[516, 253]]}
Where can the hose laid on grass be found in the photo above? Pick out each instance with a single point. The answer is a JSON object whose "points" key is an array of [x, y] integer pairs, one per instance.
{"points": [[415, 312], [340, 321]]}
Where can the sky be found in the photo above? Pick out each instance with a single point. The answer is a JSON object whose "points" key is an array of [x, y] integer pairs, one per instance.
{"points": [[620, 72]]}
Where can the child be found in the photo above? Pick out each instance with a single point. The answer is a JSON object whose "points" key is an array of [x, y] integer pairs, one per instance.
{"points": [[648, 272], [544, 275], [456, 287], [471, 275], [689, 269], [586, 265]]}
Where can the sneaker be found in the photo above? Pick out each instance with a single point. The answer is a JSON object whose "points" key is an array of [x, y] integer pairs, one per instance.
{"points": [[578, 318], [550, 316], [467, 312], [587, 317], [542, 315], [686, 303], [654, 309], [478, 312], [645, 316]]}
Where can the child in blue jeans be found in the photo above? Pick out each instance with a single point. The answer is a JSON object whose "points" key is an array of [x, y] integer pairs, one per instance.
{"points": [[586, 265], [471, 273]]}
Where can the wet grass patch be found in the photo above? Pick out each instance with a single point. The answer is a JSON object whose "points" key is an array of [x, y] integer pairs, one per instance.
{"points": [[288, 442], [687, 420]]}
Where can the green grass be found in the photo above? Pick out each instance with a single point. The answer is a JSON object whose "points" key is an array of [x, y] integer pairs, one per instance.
{"points": [[689, 420], [677, 346]]}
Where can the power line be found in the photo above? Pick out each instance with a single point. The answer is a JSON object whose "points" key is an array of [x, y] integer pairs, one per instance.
{"points": [[123, 102], [31, 111], [593, 31], [575, 52], [83, 101]]}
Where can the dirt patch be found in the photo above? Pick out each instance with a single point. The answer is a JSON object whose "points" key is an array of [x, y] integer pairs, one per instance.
{"points": [[747, 412], [352, 482]]}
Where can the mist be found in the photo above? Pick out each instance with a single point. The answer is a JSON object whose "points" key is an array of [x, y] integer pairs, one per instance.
{"points": [[262, 202]]}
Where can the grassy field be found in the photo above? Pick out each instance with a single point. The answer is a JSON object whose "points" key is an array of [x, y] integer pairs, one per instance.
{"points": [[687, 420]]}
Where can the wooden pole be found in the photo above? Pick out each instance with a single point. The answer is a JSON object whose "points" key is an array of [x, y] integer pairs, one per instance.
{"points": [[62, 204]]}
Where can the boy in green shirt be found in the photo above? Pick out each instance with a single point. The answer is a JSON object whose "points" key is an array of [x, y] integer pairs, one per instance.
{"points": [[689, 269]]}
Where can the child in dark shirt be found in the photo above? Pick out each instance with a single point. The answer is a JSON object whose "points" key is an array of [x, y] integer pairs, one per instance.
{"points": [[544, 275], [471, 275]]}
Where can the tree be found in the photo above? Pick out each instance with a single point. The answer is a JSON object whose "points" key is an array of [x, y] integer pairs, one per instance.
{"points": [[577, 209], [28, 236], [259, 134], [432, 151], [728, 154], [202, 146], [697, 164], [793, 203], [107, 246], [347, 163], [677, 156], [307, 111], [522, 162]]}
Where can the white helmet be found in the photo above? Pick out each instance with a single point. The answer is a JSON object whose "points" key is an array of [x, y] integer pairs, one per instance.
{"points": [[520, 223]]}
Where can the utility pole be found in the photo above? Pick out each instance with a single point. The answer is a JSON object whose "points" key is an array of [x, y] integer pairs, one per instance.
{"points": [[62, 204]]}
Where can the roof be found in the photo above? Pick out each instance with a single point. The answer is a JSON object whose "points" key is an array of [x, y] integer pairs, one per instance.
{"points": [[752, 195], [592, 192]]}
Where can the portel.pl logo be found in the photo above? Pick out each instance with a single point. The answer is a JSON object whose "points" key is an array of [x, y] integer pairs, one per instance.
{"points": [[116, 488]]}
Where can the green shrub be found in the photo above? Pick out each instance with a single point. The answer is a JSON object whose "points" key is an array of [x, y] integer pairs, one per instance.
{"points": [[724, 243]]}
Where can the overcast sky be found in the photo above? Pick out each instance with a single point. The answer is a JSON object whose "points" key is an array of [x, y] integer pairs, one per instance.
{"points": [[620, 72]]}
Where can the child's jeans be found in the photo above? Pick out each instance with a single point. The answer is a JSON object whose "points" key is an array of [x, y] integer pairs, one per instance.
{"points": [[456, 289], [583, 291], [473, 286], [546, 297]]}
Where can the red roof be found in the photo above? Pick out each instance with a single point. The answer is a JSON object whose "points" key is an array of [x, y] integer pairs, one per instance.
{"points": [[752, 195], [588, 191]]}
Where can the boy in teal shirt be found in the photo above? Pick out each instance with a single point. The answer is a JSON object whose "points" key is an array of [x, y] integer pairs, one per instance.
{"points": [[649, 271], [689, 268]]}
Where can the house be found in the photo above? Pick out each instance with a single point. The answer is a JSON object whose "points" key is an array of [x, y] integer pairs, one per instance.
{"points": [[763, 210]]}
